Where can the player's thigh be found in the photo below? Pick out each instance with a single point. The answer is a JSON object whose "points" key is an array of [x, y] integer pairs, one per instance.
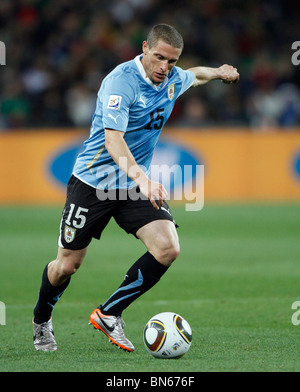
{"points": [[156, 228], [133, 214], [84, 216]]}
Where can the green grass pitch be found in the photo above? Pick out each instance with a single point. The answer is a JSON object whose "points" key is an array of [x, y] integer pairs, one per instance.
{"points": [[235, 281]]}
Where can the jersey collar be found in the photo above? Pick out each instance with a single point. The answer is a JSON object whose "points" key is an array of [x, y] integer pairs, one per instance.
{"points": [[144, 75]]}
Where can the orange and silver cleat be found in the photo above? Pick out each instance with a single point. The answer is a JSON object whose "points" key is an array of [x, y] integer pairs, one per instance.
{"points": [[112, 326]]}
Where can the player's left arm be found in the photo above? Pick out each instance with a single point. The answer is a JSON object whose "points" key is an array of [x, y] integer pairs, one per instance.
{"points": [[226, 73]]}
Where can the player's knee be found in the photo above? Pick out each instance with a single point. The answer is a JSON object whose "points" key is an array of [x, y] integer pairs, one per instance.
{"points": [[172, 254], [70, 263], [167, 254], [69, 268]]}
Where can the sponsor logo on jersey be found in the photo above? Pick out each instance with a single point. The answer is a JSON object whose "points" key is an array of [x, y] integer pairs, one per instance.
{"points": [[113, 118]]}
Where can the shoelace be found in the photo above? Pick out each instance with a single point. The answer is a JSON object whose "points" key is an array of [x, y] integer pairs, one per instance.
{"points": [[120, 321], [46, 332]]}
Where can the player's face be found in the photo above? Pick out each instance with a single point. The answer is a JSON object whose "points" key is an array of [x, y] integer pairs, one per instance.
{"points": [[159, 61]]}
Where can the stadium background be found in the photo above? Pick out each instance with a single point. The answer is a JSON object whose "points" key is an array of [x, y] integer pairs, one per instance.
{"points": [[247, 136], [58, 53]]}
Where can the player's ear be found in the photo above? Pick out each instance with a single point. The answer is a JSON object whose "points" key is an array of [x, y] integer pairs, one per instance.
{"points": [[145, 47]]}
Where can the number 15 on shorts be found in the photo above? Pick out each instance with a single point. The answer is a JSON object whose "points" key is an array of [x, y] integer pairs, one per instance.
{"points": [[79, 218]]}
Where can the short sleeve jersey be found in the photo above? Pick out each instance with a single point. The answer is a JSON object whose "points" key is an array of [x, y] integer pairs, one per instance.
{"points": [[128, 102]]}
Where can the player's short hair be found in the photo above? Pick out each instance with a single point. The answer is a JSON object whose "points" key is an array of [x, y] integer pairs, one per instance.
{"points": [[165, 33]]}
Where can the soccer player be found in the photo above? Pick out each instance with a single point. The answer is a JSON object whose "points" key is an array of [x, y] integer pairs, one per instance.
{"points": [[111, 179]]}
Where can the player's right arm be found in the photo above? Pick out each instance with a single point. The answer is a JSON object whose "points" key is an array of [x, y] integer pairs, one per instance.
{"points": [[122, 156], [227, 73]]}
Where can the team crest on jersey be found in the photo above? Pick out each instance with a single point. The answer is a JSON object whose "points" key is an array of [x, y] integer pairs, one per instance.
{"points": [[114, 102], [69, 234], [171, 91]]}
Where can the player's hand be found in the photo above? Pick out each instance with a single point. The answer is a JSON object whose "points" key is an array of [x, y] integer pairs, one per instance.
{"points": [[155, 192], [228, 74]]}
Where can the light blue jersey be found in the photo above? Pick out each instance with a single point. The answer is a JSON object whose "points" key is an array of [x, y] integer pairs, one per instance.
{"points": [[128, 102]]}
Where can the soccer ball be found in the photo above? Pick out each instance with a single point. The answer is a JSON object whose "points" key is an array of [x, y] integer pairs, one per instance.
{"points": [[167, 335]]}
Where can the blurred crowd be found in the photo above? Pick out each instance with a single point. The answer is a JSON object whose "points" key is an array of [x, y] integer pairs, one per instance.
{"points": [[58, 52]]}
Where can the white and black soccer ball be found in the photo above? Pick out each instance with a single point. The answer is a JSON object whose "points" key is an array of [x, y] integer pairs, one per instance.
{"points": [[167, 335]]}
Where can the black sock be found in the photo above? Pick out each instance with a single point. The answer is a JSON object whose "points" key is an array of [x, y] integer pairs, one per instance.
{"points": [[143, 275], [48, 296]]}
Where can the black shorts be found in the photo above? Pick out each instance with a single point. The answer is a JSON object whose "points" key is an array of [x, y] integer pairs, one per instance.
{"points": [[85, 215]]}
